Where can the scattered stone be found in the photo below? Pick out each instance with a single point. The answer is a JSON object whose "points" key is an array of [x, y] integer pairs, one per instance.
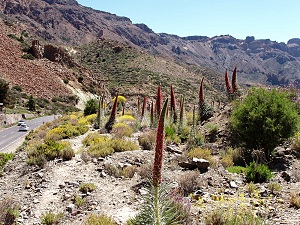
{"points": [[143, 191], [61, 186], [279, 151], [286, 176], [187, 165], [233, 184], [70, 208], [173, 149], [202, 164]]}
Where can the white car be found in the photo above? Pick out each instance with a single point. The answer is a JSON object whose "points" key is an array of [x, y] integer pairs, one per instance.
{"points": [[21, 122], [24, 127]]}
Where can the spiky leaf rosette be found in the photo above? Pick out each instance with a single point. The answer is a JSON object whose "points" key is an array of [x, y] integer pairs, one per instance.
{"points": [[159, 148], [158, 101], [228, 86], [205, 112], [173, 105], [233, 81], [112, 118], [171, 212]]}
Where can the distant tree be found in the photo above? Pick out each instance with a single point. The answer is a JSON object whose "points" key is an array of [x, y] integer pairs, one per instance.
{"points": [[90, 107], [31, 103], [4, 87]]}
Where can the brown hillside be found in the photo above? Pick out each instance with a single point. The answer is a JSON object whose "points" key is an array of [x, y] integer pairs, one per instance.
{"points": [[38, 77]]}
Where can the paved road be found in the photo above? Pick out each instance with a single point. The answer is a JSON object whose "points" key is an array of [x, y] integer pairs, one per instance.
{"points": [[11, 135]]}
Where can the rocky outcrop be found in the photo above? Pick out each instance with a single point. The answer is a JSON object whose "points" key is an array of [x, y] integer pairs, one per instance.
{"points": [[37, 49]]}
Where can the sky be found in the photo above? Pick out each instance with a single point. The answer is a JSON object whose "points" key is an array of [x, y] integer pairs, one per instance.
{"points": [[278, 20]]}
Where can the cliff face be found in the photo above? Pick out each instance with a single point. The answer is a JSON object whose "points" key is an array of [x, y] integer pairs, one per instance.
{"points": [[67, 22]]}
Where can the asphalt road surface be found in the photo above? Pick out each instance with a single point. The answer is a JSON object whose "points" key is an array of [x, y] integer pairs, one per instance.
{"points": [[12, 135]]}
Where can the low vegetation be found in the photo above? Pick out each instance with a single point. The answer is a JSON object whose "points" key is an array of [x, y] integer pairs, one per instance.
{"points": [[4, 158], [113, 132], [94, 219], [50, 218], [9, 211]]}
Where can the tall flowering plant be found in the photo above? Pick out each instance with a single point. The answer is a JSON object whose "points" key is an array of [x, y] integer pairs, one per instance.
{"points": [[160, 207], [159, 148], [112, 118], [173, 105], [158, 101], [232, 89], [204, 110], [144, 107]]}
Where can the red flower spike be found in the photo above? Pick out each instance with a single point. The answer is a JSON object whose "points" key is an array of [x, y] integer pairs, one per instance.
{"points": [[158, 101], [144, 106], [181, 110], [173, 105], [112, 117], [159, 148], [201, 94], [228, 86], [152, 113], [233, 81]]}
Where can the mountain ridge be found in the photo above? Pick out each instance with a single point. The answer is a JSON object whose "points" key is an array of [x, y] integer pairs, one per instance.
{"points": [[69, 23]]}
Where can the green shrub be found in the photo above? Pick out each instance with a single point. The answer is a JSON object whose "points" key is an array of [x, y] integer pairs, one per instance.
{"points": [[38, 160], [9, 211], [122, 145], [200, 153], [184, 133], [50, 218], [90, 107], [121, 130], [87, 187], [147, 140], [195, 139], [188, 182], [296, 142], [28, 56], [94, 138], [274, 187], [4, 158], [66, 130], [125, 118], [49, 150], [224, 217], [127, 171], [251, 188], [101, 149], [295, 200], [171, 133], [99, 220], [269, 117], [67, 153], [212, 128], [79, 201], [257, 173], [236, 169]]}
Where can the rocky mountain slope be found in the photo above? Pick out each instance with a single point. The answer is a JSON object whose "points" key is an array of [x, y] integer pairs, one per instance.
{"points": [[102, 65], [67, 22]]}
